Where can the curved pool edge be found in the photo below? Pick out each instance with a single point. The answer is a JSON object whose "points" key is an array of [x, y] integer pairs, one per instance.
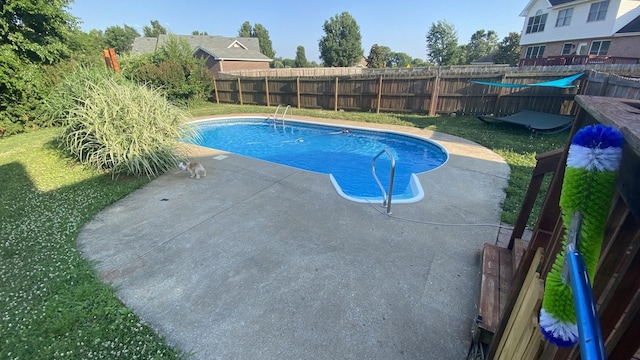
{"points": [[456, 147], [341, 124], [414, 182], [417, 191]]}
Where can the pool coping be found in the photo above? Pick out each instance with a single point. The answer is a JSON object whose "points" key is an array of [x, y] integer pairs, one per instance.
{"points": [[414, 182]]}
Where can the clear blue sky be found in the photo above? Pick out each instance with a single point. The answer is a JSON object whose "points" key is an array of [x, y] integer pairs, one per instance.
{"points": [[400, 25]]}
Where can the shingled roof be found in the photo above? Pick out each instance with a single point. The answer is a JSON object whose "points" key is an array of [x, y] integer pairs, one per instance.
{"points": [[559, 2], [632, 27], [553, 3], [219, 47]]}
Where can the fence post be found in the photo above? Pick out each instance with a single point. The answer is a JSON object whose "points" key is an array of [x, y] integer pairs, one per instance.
{"points": [[240, 92], [335, 105], [604, 85], [266, 86], [107, 58], [496, 106], [114, 60], [298, 90], [215, 89], [434, 94], [379, 94]]}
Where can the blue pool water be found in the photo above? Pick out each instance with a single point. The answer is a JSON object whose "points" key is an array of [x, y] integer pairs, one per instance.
{"points": [[345, 155]]}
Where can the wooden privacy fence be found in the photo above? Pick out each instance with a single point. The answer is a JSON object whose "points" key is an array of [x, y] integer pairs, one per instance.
{"points": [[611, 85], [440, 92]]}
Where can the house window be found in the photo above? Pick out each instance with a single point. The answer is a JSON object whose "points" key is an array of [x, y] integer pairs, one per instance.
{"points": [[599, 47], [566, 48], [598, 11], [582, 49], [534, 52], [564, 17], [536, 23]]}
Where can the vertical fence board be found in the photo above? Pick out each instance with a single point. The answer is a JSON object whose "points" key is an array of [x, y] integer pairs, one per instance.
{"points": [[335, 101], [266, 89], [434, 95], [379, 95], [298, 91], [215, 89]]}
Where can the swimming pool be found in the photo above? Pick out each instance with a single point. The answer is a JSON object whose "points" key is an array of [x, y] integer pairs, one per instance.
{"points": [[345, 154]]}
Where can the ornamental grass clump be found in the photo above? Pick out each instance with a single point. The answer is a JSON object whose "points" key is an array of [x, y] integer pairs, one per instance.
{"points": [[116, 125]]}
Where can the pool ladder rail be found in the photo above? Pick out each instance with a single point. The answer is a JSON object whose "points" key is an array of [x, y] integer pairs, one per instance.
{"points": [[386, 198], [275, 115]]}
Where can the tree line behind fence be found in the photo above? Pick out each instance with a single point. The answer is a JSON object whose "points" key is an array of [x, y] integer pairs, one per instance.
{"points": [[430, 92]]}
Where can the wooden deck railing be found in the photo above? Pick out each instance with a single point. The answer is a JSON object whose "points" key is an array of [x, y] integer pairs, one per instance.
{"points": [[577, 60], [545, 163], [616, 286]]}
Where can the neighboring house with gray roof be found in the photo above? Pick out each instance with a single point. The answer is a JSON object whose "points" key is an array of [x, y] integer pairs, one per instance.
{"points": [[221, 53], [566, 32]]}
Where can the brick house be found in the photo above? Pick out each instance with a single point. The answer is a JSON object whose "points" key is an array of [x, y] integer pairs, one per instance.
{"points": [[567, 32], [220, 53]]}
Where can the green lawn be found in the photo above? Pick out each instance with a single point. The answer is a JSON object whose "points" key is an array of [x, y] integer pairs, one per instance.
{"points": [[52, 303]]}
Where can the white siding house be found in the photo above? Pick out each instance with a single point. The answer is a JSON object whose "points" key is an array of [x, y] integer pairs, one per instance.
{"points": [[557, 32]]}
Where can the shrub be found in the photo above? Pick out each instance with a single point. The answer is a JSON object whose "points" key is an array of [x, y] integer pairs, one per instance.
{"points": [[70, 91], [113, 124], [174, 70], [20, 92]]}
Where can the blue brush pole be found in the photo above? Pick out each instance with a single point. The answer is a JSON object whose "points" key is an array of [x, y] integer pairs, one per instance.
{"points": [[590, 334]]}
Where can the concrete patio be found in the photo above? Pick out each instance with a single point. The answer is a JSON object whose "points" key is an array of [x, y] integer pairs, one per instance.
{"points": [[262, 261]]}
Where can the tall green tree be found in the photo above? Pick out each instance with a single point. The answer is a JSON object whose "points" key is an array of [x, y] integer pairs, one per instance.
{"points": [[386, 54], [460, 56], [37, 30], [342, 43], [277, 63], [120, 38], [417, 62], [398, 59], [508, 50], [33, 35], [301, 58], [442, 43], [87, 47], [154, 30], [266, 48], [245, 30], [288, 63], [482, 43], [196, 32], [95, 38], [375, 59], [260, 32]]}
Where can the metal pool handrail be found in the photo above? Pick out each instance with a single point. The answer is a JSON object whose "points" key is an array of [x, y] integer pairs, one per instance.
{"points": [[285, 113], [386, 201], [275, 114]]}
